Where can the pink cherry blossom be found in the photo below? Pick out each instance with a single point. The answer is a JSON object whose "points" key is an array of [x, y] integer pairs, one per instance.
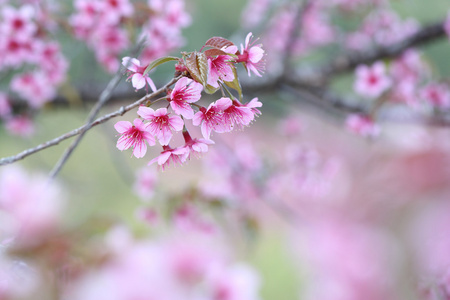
{"points": [[196, 146], [362, 125], [34, 88], [114, 10], [371, 81], [136, 73], [237, 115], [161, 123], [220, 70], [30, 206], [18, 22], [212, 118], [185, 91], [134, 136], [145, 183], [20, 125], [171, 156], [436, 94], [252, 56]]}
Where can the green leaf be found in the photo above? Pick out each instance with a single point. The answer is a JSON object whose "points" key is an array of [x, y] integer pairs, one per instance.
{"points": [[218, 42], [210, 89], [235, 83], [158, 62], [197, 64]]}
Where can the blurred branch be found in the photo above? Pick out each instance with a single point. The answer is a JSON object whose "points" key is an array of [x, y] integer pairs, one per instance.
{"points": [[349, 61], [86, 127], [296, 30]]}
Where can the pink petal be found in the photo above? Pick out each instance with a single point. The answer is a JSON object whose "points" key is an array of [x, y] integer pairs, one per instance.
{"points": [[123, 143], [176, 122], [151, 84], [122, 126], [138, 81], [146, 113], [198, 118], [140, 149]]}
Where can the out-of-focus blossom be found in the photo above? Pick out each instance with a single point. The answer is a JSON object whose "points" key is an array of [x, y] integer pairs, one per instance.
{"points": [[362, 125], [254, 12], [438, 95], [134, 135], [371, 81], [30, 206], [186, 266], [364, 268], [20, 125], [145, 183]]}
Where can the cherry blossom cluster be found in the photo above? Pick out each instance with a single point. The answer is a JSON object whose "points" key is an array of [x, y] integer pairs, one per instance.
{"points": [[102, 24], [30, 213], [210, 70], [193, 260], [31, 58], [186, 265], [407, 81]]}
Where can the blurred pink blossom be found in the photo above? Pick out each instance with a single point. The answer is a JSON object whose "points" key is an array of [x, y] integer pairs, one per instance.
{"points": [[371, 81]]}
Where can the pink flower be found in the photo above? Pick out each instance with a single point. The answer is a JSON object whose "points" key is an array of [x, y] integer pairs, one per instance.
{"points": [[196, 146], [219, 70], [237, 115], [136, 73], [362, 125], [18, 22], [185, 91], [21, 126], [161, 124], [212, 118], [252, 56], [30, 206], [145, 183], [371, 81], [170, 155], [134, 136], [436, 94]]}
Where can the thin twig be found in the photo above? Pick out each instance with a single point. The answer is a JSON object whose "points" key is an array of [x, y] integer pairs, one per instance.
{"points": [[104, 97], [122, 110]]}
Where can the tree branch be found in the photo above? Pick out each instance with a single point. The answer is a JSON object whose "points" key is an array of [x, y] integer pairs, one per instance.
{"points": [[86, 127]]}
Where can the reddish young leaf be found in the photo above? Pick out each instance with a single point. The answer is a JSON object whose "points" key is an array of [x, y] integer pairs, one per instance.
{"points": [[218, 42], [197, 64]]}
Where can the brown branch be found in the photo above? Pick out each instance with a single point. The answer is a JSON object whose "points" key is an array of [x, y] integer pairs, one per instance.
{"points": [[86, 127]]}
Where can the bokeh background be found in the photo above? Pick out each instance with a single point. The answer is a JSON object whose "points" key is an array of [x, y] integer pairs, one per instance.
{"points": [[99, 178]]}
